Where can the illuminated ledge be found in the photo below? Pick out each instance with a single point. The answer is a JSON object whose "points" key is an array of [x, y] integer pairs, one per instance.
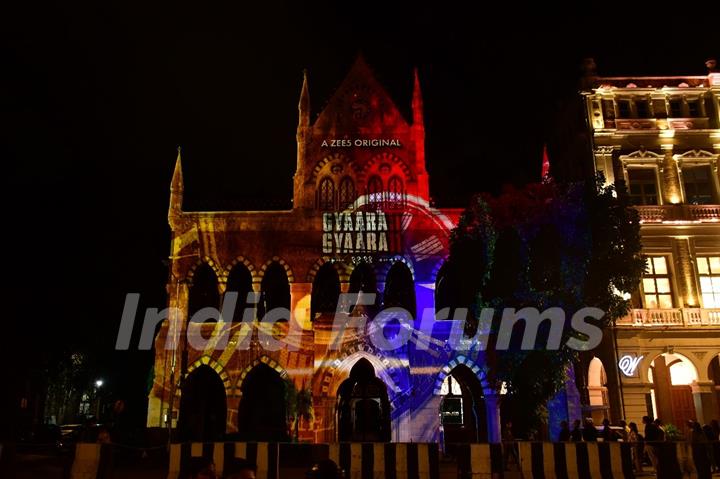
{"points": [[679, 214], [676, 317]]}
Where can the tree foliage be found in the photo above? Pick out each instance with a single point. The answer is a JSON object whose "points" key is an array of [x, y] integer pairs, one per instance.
{"points": [[547, 245]]}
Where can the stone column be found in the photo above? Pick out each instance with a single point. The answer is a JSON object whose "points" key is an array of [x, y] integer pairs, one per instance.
{"points": [[688, 291], [671, 191], [704, 402]]}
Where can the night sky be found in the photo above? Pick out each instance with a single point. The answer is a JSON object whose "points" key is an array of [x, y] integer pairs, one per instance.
{"points": [[95, 98]]}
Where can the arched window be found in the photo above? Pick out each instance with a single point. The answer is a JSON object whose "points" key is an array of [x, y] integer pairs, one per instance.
{"points": [[326, 194], [275, 290], [325, 291], [396, 192], [239, 281], [204, 290], [346, 192], [375, 190], [400, 288]]}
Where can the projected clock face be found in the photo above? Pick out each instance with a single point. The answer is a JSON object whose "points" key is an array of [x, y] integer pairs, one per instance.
{"points": [[380, 228]]}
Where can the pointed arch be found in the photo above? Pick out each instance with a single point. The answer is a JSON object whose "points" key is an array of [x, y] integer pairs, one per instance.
{"points": [[274, 288], [204, 261], [264, 359], [206, 360], [400, 288], [346, 193], [262, 411], [240, 281], [325, 291], [326, 196], [452, 364], [343, 270], [203, 411]]}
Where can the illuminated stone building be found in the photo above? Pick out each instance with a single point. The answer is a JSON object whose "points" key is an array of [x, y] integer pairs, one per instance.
{"points": [[359, 155], [661, 136]]}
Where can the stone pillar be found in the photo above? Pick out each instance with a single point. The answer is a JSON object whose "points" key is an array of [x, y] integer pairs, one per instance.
{"points": [[604, 163], [688, 291], [671, 191], [662, 383], [492, 412], [704, 401], [606, 353]]}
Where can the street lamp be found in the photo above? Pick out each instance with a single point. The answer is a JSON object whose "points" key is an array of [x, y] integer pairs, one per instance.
{"points": [[98, 385]]}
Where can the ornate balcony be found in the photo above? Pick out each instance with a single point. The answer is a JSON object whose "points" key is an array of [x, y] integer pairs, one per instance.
{"points": [[679, 213], [676, 317]]}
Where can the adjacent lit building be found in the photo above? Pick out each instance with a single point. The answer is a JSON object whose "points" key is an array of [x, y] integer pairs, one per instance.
{"points": [[661, 136]]}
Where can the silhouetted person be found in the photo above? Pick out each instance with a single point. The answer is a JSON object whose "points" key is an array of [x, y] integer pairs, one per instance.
{"points": [[652, 436], [715, 425], [564, 435], [624, 432], [576, 433], [700, 451], [638, 442], [589, 432], [607, 433]]}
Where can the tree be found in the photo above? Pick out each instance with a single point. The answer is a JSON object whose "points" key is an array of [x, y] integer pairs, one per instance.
{"points": [[299, 405], [547, 245]]}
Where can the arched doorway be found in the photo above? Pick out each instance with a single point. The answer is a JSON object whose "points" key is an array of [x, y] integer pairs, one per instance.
{"points": [[597, 391], [714, 375], [203, 407], [274, 290], [671, 375], [325, 291], [400, 288], [203, 291], [363, 408], [462, 408], [262, 413], [239, 281]]}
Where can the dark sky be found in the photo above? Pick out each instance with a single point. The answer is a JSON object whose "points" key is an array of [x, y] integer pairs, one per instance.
{"points": [[96, 96]]}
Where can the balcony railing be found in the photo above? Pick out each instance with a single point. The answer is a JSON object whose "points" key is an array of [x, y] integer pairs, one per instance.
{"points": [[658, 123], [679, 213], [676, 317]]}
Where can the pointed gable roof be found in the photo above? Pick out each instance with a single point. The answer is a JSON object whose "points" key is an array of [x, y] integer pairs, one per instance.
{"points": [[360, 105]]}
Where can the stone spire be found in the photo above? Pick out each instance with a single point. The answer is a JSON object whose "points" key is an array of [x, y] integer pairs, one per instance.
{"points": [[417, 103], [177, 188], [304, 104]]}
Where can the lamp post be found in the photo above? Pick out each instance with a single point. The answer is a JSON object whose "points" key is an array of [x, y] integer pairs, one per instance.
{"points": [[98, 385]]}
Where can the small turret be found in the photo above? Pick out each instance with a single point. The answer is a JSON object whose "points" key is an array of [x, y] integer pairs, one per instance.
{"points": [[304, 104], [177, 188], [418, 136], [303, 131], [417, 103]]}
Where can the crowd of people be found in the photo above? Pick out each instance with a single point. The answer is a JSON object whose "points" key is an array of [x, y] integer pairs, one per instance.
{"points": [[704, 438]]}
